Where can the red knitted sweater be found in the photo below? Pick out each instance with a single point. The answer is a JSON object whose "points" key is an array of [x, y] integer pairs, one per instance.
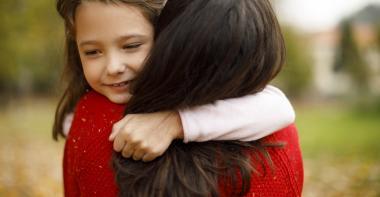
{"points": [[87, 167]]}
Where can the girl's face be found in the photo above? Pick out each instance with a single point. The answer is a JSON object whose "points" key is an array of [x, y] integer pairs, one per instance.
{"points": [[113, 42]]}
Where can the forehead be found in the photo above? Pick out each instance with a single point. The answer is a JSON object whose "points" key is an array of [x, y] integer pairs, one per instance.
{"points": [[95, 19]]}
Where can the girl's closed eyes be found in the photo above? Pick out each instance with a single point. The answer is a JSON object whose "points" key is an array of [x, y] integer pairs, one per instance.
{"points": [[127, 48], [92, 53], [132, 46]]}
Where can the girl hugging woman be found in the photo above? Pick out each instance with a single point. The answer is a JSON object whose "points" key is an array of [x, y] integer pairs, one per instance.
{"points": [[208, 58]]}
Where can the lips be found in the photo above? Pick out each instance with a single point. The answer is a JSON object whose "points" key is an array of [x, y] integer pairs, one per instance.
{"points": [[119, 84], [119, 87]]}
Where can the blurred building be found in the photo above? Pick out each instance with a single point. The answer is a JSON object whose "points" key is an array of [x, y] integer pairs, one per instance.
{"points": [[365, 29]]}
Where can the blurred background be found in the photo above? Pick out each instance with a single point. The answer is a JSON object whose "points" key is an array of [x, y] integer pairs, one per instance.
{"points": [[332, 77]]}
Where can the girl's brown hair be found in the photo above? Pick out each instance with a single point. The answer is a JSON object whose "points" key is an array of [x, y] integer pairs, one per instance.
{"points": [[73, 74], [205, 50]]}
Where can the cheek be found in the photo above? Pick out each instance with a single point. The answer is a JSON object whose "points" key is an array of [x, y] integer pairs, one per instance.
{"points": [[141, 57], [91, 72], [140, 62]]}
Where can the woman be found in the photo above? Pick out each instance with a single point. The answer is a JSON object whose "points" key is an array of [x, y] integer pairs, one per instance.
{"points": [[208, 50]]}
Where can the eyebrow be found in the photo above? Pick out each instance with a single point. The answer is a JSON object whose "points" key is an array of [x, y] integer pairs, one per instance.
{"points": [[126, 37]]}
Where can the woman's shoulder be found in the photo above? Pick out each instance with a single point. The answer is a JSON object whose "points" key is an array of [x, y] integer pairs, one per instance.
{"points": [[286, 133]]}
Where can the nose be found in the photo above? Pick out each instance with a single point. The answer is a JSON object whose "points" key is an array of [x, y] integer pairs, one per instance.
{"points": [[115, 64]]}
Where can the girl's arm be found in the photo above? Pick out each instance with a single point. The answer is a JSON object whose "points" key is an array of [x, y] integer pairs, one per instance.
{"points": [[147, 136], [247, 118]]}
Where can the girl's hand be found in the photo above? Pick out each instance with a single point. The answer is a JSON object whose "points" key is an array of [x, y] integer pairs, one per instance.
{"points": [[146, 136]]}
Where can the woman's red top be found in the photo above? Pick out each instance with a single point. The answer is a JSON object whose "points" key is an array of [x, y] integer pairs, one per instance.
{"points": [[87, 167]]}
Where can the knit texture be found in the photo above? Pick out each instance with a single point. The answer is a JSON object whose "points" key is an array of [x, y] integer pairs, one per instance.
{"points": [[87, 166], [285, 178]]}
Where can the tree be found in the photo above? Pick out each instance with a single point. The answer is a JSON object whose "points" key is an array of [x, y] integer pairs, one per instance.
{"points": [[349, 60], [31, 38], [296, 75]]}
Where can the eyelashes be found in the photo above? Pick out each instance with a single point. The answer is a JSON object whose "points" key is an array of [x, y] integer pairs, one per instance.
{"points": [[91, 52], [132, 46], [128, 48]]}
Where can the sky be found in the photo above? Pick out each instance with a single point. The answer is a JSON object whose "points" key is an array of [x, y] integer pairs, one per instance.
{"points": [[318, 15]]}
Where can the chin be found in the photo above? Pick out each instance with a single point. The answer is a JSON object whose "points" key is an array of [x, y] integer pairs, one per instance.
{"points": [[119, 99]]}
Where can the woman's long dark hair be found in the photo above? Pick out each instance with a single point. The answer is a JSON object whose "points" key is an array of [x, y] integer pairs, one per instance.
{"points": [[206, 50]]}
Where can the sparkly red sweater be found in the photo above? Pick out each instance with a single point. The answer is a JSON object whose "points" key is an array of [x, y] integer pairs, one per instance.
{"points": [[87, 167]]}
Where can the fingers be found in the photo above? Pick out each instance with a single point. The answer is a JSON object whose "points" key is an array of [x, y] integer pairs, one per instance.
{"points": [[145, 156], [115, 130], [145, 136], [118, 143], [136, 151], [138, 154], [113, 134], [128, 150], [149, 157], [117, 127]]}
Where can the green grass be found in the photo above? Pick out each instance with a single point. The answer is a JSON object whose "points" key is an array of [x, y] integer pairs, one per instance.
{"points": [[338, 132]]}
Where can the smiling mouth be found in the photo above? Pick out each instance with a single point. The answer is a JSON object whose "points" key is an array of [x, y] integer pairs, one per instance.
{"points": [[121, 84]]}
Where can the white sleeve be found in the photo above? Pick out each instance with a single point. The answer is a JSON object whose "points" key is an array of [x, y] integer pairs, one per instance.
{"points": [[246, 118], [67, 122]]}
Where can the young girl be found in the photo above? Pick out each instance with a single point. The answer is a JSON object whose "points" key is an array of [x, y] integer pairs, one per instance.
{"points": [[93, 62], [247, 118]]}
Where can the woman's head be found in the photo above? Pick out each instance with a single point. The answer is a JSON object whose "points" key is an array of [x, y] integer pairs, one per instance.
{"points": [[213, 49], [107, 42], [205, 50]]}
